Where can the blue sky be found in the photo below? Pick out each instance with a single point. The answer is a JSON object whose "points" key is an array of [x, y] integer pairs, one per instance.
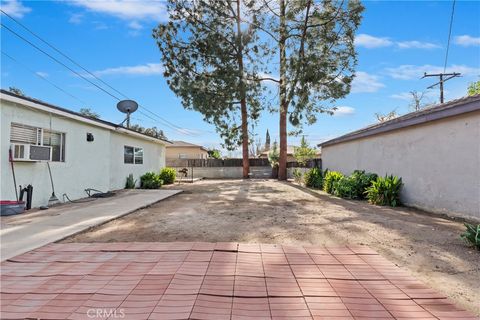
{"points": [[397, 42]]}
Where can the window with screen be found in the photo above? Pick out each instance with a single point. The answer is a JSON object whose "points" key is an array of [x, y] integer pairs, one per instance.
{"points": [[24, 134]]}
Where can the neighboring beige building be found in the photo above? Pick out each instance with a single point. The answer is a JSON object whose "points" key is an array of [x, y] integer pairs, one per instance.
{"points": [[186, 150], [436, 151]]}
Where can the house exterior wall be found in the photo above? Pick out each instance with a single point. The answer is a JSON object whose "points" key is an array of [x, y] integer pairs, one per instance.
{"points": [[439, 162], [153, 159], [190, 152], [97, 164]]}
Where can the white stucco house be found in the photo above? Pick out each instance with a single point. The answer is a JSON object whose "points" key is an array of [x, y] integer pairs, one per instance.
{"points": [[82, 152]]}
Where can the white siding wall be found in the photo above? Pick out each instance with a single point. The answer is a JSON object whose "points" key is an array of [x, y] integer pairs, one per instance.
{"points": [[98, 164], [439, 162]]}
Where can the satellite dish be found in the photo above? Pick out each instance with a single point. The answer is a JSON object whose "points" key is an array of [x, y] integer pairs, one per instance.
{"points": [[128, 107]]}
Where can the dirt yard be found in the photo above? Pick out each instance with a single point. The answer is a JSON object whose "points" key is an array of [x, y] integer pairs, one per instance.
{"points": [[274, 212]]}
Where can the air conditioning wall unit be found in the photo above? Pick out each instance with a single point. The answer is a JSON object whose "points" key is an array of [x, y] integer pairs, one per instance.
{"points": [[31, 152]]}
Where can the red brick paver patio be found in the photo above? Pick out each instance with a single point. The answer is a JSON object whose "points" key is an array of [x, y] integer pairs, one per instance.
{"points": [[213, 281]]}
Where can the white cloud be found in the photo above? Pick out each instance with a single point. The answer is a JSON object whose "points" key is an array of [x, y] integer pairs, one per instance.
{"points": [[368, 41], [42, 74], [143, 70], [410, 72], [417, 45], [467, 41], [127, 9], [76, 18], [135, 28], [344, 111], [135, 25], [365, 82], [14, 8]]}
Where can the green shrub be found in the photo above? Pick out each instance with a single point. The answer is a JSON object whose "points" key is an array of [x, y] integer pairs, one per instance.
{"points": [[314, 178], [150, 180], [354, 186], [329, 179], [472, 235], [297, 176], [168, 175], [362, 182], [131, 182], [385, 191], [345, 187]]}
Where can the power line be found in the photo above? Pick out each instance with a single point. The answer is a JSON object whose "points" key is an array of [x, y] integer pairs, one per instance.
{"points": [[44, 78], [441, 76], [58, 61], [165, 121], [449, 36], [60, 52]]}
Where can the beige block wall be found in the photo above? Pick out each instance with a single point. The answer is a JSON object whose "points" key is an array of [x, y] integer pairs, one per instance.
{"points": [[439, 162], [191, 152]]}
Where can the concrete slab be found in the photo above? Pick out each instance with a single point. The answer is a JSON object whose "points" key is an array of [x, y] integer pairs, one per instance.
{"points": [[28, 231]]}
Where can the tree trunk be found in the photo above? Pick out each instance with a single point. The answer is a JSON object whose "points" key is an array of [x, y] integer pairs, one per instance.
{"points": [[245, 154], [282, 163], [243, 101]]}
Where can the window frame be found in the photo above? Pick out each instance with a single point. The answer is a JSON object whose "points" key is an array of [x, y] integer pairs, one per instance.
{"points": [[39, 133], [136, 159]]}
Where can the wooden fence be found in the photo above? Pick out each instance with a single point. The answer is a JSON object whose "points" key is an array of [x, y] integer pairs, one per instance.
{"points": [[235, 162]]}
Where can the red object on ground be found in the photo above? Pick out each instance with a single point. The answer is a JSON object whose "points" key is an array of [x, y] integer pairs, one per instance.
{"points": [[214, 281], [11, 202]]}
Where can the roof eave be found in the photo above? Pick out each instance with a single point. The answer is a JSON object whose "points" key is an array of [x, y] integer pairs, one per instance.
{"points": [[432, 114], [46, 107]]}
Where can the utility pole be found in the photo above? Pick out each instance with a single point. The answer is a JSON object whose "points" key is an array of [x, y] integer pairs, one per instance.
{"points": [[442, 80]]}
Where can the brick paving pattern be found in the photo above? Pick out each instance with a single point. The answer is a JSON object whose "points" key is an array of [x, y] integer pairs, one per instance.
{"points": [[211, 281]]}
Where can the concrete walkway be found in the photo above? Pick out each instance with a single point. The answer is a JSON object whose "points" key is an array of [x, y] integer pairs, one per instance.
{"points": [[28, 231]]}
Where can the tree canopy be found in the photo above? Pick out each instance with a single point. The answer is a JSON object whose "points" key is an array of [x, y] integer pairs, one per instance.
{"points": [[198, 47], [153, 131], [274, 155], [87, 112], [317, 59], [214, 154], [304, 152], [217, 55], [474, 88]]}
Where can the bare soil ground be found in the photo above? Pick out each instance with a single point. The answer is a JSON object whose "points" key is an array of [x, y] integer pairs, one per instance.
{"points": [[266, 211]]}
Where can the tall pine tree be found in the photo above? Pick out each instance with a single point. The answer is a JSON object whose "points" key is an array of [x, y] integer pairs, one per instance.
{"points": [[212, 61], [317, 58]]}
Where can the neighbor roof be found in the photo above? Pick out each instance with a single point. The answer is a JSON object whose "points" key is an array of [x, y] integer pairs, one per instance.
{"points": [[183, 144], [432, 113], [12, 97]]}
